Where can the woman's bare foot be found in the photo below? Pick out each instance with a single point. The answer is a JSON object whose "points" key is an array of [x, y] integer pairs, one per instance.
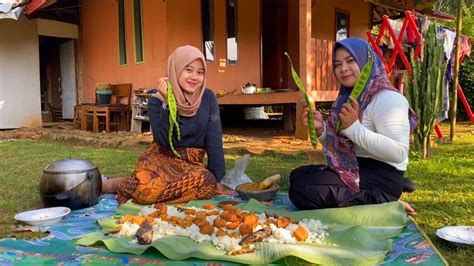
{"points": [[223, 190], [409, 209], [110, 185]]}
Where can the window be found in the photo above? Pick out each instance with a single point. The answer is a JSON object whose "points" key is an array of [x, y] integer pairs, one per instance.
{"points": [[231, 12], [342, 24], [207, 7], [138, 30], [121, 33]]}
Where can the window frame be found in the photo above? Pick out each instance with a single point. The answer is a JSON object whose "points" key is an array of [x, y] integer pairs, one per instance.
{"points": [[122, 40], [236, 20], [135, 46], [211, 30], [336, 22]]}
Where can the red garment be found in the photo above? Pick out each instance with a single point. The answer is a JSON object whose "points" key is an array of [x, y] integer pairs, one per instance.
{"points": [[410, 34]]}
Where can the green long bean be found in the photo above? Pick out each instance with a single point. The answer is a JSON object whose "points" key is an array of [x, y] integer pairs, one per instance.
{"points": [[311, 128], [360, 84], [172, 118]]}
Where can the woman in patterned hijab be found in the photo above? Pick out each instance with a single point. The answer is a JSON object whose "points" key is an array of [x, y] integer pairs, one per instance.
{"points": [[367, 157]]}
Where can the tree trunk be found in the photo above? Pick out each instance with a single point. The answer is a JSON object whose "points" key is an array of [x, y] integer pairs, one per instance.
{"points": [[454, 99]]}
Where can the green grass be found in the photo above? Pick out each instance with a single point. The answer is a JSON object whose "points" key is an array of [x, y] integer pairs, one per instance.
{"points": [[445, 194]]}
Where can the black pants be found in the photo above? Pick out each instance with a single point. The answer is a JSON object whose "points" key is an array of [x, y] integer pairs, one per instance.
{"points": [[317, 187]]}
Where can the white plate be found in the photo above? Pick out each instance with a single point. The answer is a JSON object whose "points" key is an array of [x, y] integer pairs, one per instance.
{"points": [[457, 234], [45, 216]]}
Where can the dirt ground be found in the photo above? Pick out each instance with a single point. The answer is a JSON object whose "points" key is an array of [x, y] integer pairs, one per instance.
{"points": [[236, 140]]}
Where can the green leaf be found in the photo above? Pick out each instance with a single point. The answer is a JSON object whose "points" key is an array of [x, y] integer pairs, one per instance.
{"points": [[357, 235]]}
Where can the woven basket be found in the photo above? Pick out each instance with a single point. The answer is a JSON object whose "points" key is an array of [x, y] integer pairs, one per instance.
{"points": [[103, 86]]}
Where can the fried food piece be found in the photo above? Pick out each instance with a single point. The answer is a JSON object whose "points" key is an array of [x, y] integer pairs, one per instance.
{"points": [[207, 229], [251, 219], [221, 232], [190, 211], [225, 215], [283, 222], [209, 206], [201, 214], [185, 224], [227, 202], [200, 222], [214, 212], [245, 229], [138, 220], [234, 218], [219, 222], [126, 218], [241, 251], [161, 207], [227, 207], [232, 225], [188, 218], [150, 219], [300, 234]]}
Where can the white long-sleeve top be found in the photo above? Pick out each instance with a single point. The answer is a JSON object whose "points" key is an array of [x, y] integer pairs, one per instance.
{"points": [[384, 132]]}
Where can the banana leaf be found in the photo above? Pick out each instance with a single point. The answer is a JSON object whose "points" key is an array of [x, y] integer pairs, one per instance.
{"points": [[358, 235]]}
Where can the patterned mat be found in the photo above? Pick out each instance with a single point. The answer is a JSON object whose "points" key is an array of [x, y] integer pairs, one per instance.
{"points": [[411, 247]]}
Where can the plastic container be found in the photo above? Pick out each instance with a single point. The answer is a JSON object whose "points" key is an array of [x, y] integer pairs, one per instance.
{"points": [[103, 96]]}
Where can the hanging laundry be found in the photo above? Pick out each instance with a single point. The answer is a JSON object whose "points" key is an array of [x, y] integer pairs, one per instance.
{"points": [[465, 45], [448, 37]]}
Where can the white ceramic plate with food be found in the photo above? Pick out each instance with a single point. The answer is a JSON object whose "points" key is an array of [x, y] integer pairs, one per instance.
{"points": [[46, 216], [457, 234]]}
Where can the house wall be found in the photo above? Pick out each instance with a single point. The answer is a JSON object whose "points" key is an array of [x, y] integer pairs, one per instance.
{"points": [[166, 25], [323, 18], [53, 28], [20, 103]]}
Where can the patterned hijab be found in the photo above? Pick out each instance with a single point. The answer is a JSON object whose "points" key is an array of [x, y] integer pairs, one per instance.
{"points": [[339, 150], [187, 103]]}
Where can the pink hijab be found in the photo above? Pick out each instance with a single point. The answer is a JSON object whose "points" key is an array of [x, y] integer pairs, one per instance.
{"points": [[187, 103]]}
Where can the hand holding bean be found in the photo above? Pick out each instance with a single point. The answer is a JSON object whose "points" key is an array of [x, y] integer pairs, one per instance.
{"points": [[349, 113], [318, 120], [162, 88]]}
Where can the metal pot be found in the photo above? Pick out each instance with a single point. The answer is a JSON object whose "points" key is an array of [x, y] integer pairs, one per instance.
{"points": [[72, 183]]}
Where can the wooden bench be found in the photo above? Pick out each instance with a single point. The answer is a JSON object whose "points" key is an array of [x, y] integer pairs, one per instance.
{"points": [[291, 116], [287, 99]]}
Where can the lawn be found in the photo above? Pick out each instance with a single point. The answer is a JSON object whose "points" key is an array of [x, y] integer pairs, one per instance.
{"points": [[445, 194]]}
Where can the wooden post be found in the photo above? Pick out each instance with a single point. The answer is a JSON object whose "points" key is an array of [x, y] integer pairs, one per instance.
{"points": [[304, 60], [454, 99]]}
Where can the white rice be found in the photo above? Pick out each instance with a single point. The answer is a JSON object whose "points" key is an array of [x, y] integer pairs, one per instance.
{"points": [[317, 231]]}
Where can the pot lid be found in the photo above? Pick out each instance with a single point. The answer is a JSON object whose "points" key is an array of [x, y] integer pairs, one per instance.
{"points": [[70, 166]]}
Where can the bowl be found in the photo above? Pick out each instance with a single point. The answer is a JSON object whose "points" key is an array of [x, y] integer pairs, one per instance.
{"points": [[42, 217], [457, 234], [260, 195]]}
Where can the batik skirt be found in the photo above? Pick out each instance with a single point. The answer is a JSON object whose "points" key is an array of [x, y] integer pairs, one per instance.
{"points": [[160, 176]]}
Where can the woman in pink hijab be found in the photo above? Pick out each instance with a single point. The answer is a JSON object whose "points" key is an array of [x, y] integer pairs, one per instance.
{"points": [[172, 169]]}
